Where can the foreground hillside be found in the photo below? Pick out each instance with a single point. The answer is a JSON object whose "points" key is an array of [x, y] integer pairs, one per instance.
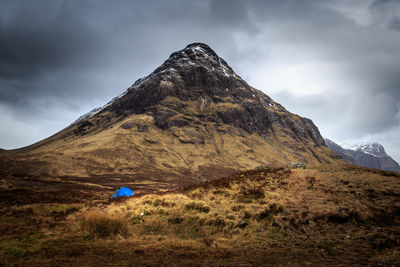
{"points": [[321, 216]]}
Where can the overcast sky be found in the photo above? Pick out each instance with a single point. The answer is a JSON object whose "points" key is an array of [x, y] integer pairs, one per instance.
{"points": [[336, 62]]}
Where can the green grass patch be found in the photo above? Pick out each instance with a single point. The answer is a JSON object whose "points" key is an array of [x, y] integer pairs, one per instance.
{"points": [[61, 208], [17, 247]]}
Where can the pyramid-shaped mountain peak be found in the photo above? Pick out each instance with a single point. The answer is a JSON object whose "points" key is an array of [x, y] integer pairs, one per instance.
{"points": [[197, 53], [195, 58], [188, 74], [192, 116], [196, 85], [201, 48]]}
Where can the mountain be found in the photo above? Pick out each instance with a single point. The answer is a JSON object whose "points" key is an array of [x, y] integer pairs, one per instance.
{"points": [[374, 149], [370, 155], [192, 118], [345, 154]]}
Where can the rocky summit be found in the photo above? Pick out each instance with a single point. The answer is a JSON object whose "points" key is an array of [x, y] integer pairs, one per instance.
{"points": [[192, 118]]}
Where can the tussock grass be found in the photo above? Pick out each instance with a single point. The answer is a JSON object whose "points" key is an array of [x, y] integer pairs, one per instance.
{"points": [[197, 206], [96, 224]]}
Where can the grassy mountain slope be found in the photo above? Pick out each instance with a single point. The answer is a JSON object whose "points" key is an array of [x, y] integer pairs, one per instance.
{"points": [[133, 152]]}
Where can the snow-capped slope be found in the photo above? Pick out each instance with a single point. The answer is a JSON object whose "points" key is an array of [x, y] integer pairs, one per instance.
{"points": [[371, 155], [99, 109], [373, 149]]}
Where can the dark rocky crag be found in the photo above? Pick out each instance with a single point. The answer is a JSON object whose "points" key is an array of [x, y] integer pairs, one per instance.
{"points": [[184, 87]]}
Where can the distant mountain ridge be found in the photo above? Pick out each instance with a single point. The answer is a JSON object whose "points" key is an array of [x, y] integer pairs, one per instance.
{"points": [[370, 155], [374, 149]]}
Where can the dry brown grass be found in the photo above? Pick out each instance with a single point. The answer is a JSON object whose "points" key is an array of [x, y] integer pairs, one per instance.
{"points": [[323, 216], [96, 224]]}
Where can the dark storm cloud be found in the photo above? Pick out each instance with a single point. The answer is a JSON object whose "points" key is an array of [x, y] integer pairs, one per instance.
{"points": [[333, 59], [365, 54], [37, 43], [395, 24], [63, 48], [387, 12], [230, 13], [43, 37], [360, 97]]}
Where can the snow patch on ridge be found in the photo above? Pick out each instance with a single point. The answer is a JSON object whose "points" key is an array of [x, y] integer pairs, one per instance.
{"points": [[97, 110], [374, 149]]}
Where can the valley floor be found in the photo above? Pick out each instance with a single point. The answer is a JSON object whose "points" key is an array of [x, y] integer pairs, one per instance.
{"points": [[321, 216]]}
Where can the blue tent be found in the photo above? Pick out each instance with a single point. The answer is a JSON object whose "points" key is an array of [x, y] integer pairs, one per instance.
{"points": [[122, 192]]}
